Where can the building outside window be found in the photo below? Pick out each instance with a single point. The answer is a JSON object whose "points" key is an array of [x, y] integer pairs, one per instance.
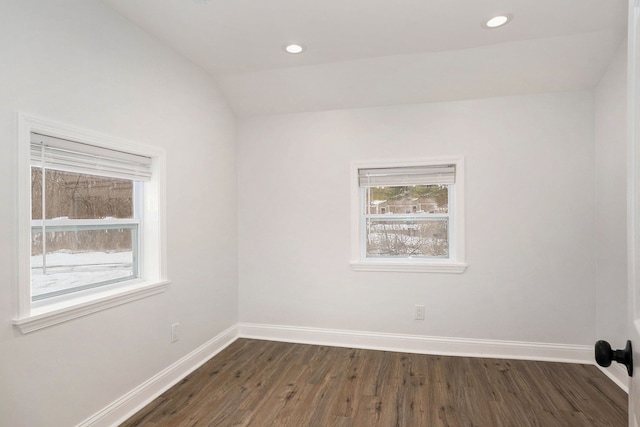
{"points": [[409, 216]]}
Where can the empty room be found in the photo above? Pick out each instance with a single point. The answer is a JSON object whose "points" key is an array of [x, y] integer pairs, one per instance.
{"points": [[319, 213]]}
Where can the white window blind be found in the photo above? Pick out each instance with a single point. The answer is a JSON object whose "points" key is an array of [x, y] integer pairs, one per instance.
{"points": [[412, 175], [69, 156]]}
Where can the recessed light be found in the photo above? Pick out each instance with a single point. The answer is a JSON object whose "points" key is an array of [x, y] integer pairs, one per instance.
{"points": [[497, 21], [294, 48]]}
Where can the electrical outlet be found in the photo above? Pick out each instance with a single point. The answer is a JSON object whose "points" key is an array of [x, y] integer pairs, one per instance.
{"points": [[175, 332], [418, 312]]}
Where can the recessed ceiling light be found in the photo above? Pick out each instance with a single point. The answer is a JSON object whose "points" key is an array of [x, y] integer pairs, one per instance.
{"points": [[294, 48], [497, 21]]}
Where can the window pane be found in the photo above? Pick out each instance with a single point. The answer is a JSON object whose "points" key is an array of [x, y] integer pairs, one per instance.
{"points": [[407, 199], [407, 238], [81, 258], [80, 196], [75, 256]]}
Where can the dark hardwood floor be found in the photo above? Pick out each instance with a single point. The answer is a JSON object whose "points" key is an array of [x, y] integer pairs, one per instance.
{"points": [[262, 383]]}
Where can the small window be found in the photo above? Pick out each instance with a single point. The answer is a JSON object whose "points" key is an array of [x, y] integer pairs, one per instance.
{"points": [[421, 227], [91, 233]]}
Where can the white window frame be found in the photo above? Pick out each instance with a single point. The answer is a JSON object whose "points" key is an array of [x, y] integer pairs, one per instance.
{"points": [[455, 263], [153, 272]]}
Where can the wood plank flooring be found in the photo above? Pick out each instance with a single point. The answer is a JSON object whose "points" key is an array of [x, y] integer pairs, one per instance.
{"points": [[263, 383]]}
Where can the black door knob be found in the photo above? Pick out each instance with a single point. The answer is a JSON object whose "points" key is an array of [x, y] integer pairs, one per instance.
{"points": [[604, 355]]}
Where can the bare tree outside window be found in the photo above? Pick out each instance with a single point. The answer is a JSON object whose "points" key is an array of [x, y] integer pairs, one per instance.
{"points": [[81, 196], [84, 253]]}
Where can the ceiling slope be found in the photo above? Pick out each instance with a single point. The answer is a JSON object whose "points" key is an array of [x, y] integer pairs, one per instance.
{"points": [[377, 52], [525, 67]]}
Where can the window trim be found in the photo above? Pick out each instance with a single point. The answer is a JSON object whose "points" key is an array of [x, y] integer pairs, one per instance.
{"points": [[30, 316], [456, 261]]}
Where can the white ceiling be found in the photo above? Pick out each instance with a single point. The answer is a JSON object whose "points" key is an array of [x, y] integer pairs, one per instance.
{"points": [[382, 52]]}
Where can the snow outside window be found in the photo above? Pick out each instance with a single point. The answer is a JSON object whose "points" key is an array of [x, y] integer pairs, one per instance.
{"points": [[91, 234], [408, 216], [84, 228]]}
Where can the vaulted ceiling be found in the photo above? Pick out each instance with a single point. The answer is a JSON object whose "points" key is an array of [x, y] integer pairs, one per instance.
{"points": [[362, 53]]}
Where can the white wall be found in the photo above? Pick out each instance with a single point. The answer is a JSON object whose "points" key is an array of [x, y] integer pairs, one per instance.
{"points": [[611, 204], [78, 62], [529, 219]]}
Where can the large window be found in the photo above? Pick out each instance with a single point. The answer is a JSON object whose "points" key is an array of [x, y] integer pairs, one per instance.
{"points": [[409, 216], [90, 229], [85, 216]]}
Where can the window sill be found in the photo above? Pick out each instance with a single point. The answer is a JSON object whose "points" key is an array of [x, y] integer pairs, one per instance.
{"points": [[409, 266], [52, 315]]}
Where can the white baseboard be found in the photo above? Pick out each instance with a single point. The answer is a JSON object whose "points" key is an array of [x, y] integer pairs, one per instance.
{"points": [[618, 374], [435, 345], [127, 405], [420, 344]]}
